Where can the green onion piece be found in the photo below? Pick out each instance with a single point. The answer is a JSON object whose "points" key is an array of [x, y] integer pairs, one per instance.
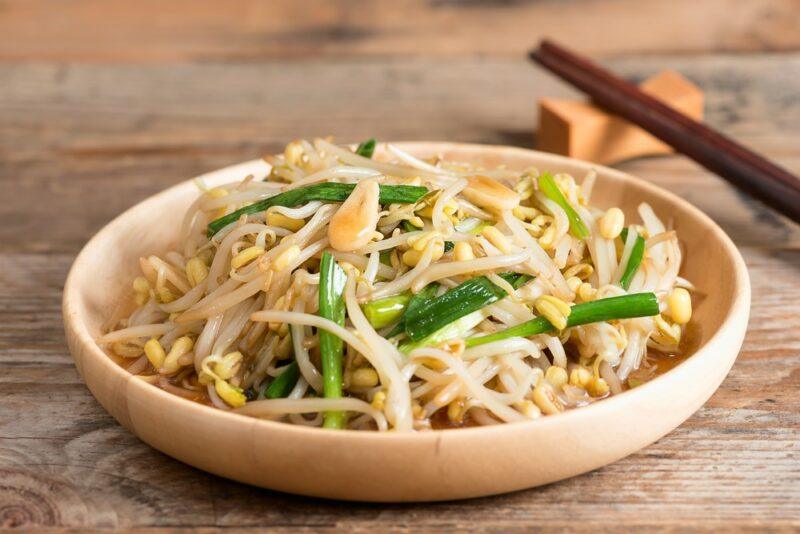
{"points": [[548, 186], [366, 148], [383, 312], [284, 382], [517, 280], [521, 280], [425, 294], [384, 257], [448, 246], [622, 307], [325, 192], [634, 261], [332, 279], [417, 301], [462, 300], [426, 316], [408, 227], [397, 194], [453, 330]]}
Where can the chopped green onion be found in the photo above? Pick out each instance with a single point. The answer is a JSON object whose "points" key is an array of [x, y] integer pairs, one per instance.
{"points": [[366, 148], [383, 312], [455, 329], [426, 315], [548, 186], [634, 261], [448, 246], [325, 192], [517, 280], [332, 280], [622, 307], [408, 227], [284, 382], [425, 294], [462, 300]]}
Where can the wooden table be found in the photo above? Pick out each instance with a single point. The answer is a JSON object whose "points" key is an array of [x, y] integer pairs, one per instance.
{"points": [[88, 129]]}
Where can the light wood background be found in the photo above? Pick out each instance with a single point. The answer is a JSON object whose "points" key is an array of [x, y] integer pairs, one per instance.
{"points": [[103, 103]]}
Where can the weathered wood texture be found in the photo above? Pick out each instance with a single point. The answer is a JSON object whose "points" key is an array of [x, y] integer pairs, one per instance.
{"points": [[153, 30], [78, 144]]}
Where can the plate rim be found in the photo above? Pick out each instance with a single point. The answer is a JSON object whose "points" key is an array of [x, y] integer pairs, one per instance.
{"points": [[733, 325]]}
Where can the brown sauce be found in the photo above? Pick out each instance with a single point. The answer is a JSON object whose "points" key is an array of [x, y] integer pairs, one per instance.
{"points": [[440, 421], [656, 363]]}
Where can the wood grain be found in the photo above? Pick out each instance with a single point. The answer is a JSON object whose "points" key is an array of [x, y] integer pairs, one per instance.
{"points": [[753, 174], [79, 143], [734, 463], [70, 130], [180, 30]]}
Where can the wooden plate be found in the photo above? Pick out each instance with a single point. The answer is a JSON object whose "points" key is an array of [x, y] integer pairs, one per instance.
{"points": [[438, 465]]}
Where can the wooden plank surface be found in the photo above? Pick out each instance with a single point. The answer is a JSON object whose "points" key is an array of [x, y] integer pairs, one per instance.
{"points": [[80, 143], [157, 31]]}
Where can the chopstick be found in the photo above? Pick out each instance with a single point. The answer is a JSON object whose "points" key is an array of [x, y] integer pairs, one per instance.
{"points": [[740, 166]]}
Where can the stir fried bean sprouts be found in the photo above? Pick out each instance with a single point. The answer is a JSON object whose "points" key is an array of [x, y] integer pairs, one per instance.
{"points": [[380, 290]]}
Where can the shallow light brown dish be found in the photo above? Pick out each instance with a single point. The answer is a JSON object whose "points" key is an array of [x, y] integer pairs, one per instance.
{"points": [[436, 465]]}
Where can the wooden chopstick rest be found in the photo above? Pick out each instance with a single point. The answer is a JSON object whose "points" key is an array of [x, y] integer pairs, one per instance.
{"points": [[582, 130]]}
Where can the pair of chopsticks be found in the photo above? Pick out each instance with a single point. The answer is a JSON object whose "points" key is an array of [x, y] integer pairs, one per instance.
{"points": [[740, 166]]}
